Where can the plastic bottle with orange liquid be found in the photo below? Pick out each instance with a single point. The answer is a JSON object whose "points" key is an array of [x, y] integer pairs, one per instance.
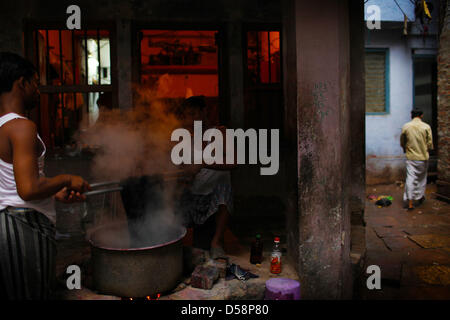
{"points": [[275, 258]]}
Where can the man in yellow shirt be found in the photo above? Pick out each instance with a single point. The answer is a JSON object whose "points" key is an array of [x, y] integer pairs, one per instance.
{"points": [[416, 139]]}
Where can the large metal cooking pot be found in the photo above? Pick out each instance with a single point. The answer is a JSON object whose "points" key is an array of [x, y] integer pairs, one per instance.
{"points": [[129, 260], [135, 272]]}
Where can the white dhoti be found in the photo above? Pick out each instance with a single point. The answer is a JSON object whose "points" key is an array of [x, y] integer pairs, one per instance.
{"points": [[416, 179]]}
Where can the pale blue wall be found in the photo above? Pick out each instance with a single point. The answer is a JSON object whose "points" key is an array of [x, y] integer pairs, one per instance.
{"points": [[382, 131]]}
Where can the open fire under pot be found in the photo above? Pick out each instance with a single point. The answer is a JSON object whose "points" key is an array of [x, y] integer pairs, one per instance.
{"points": [[127, 259]]}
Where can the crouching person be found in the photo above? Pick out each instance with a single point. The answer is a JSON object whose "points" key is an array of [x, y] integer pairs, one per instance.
{"points": [[207, 202], [27, 211]]}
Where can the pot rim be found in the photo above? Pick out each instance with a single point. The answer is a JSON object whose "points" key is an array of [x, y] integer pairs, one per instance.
{"points": [[91, 242]]}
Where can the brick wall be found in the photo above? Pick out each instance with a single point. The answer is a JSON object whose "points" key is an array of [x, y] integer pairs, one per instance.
{"points": [[444, 106]]}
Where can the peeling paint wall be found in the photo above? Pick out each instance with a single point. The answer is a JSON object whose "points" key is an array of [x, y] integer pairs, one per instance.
{"points": [[444, 106]]}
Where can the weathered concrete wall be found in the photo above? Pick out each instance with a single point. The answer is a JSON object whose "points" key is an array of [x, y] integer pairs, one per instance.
{"points": [[13, 14], [322, 95], [357, 143], [290, 93], [444, 107], [124, 68], [357, 106]]}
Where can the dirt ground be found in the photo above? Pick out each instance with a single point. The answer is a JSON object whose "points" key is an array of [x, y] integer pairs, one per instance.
{"points": [[412, 248]]}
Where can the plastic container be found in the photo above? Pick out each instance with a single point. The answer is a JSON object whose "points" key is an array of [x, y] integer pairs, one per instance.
{"points": [[275, 257], [282, 289]]}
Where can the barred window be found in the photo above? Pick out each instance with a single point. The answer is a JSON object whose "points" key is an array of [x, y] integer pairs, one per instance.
{"points": [[377, 84], [74, 68], [263, 57]]}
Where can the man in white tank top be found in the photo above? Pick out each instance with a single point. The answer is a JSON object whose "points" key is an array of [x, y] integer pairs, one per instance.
{"points": [[27, 213]]}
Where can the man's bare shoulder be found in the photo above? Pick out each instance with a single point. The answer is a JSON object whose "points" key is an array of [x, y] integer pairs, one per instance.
{"points": [[18, 128]]}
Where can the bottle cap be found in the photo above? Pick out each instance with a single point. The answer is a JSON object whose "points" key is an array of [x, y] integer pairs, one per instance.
{"points": [[277, 239], [258, 236]]}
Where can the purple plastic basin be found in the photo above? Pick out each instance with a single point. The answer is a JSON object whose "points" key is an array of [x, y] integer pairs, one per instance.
{"points": [[282, 289]]}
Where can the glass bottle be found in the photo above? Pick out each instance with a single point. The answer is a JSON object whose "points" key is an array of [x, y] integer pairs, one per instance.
{"points": [[256, 251]]}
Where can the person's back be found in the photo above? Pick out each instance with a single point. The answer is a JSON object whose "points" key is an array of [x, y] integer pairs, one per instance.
{"points": [[417, 139]]}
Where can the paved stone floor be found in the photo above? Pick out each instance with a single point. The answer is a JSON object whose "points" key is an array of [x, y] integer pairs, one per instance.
{"points": [[412, 248]]}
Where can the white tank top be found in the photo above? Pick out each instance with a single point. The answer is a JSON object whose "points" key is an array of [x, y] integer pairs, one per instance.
{"points": [[8, 190]]}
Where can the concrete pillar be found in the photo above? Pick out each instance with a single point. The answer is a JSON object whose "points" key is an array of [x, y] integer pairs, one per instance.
{"points": [[289, 51], [12, 25], [357, 107], [443, 182], [317, 90], [124, 64], [235, 80], [357, 136]]}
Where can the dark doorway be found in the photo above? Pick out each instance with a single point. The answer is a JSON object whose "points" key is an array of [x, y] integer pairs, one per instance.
{"points": [[425, 91], [259, 199], [263, 87]]}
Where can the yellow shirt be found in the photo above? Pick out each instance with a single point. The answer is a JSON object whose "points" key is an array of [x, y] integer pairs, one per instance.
{"points": [[416, 139]]}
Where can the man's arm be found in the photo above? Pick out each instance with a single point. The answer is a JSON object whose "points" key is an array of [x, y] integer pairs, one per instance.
{"points": [[30, 186], [403, 140], [429, 139]]}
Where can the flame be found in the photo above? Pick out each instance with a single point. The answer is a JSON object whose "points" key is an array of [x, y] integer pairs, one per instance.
{"points": [[156, 298], [148, 298]]}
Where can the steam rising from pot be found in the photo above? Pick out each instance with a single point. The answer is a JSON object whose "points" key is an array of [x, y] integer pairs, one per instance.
{"points": [[136, 143], [133, 142]]}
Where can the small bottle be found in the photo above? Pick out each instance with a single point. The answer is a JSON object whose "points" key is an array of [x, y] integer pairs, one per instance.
{"points": [[256, 251], [275, 258]]}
